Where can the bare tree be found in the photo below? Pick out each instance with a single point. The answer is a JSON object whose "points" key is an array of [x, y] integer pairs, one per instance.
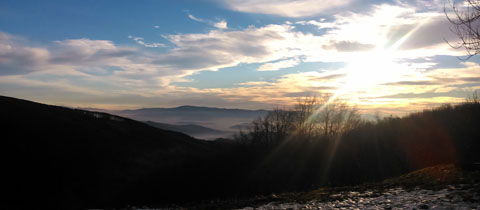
{"points": [[466, 25], [303, 123], [473, 98], [273, 127], [311, 118], [334, 117]]}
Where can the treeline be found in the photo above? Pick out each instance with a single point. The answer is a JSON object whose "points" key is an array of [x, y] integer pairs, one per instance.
{"points": [[311, 119], [325, 142]]}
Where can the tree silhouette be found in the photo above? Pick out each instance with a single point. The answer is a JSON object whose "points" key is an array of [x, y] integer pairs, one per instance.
{"points": [[466, 25], [310, 119]]}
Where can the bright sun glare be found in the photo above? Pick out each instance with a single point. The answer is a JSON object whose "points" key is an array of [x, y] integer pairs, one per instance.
{"points": [[367, 70], [370, 69]]}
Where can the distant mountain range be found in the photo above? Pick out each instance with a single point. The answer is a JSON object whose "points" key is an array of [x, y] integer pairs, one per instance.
{"points": [[215, 122], [192, 130]]}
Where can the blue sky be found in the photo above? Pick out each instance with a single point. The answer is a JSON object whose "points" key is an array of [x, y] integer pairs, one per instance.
{"points": [[378, 55]]}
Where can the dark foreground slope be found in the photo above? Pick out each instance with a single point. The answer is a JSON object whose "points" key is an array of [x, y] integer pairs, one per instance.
{"points": [[66, 158]]}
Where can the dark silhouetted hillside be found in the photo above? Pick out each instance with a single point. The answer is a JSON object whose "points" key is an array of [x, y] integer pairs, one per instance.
{"points": [[63, 158]]}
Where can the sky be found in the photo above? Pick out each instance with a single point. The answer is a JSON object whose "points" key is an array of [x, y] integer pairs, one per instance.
{"points": [[380, 56]]}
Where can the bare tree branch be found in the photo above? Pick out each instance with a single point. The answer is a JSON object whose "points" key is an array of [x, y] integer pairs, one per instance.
{"points": [[466, 25]]}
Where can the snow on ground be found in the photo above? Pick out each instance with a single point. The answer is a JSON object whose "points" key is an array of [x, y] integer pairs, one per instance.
{"points": [[453, 197]]}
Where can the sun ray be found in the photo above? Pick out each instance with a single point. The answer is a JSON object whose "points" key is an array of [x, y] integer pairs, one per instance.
{"points": [[366, 70], [369, 69]]}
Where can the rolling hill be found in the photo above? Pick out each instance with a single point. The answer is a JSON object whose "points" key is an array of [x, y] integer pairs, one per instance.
{"points": [[68, 158]]}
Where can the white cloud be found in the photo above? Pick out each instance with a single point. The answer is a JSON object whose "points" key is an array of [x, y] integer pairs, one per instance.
{"points": [[279, 65], [75, 57], [156, 26], [86, 51], [16, 58], [424, 5], [404, 30], [195, 18], [320, 23], [280, 91], [218, 49], [287, 8], [140, 41], [222, 24], [255, 83]]}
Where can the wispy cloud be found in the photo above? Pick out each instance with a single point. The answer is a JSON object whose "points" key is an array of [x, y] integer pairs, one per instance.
{"points": [[195, 18], [221, 24], [279, 65], [18, 58], [288, 8], [86, 51], [139, 40]]}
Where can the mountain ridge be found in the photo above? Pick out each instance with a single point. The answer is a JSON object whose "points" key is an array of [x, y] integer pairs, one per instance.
{"points": [[69, 158], [194, 108], [221, 119]]}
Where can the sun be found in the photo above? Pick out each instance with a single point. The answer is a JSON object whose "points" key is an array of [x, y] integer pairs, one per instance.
{"points": [[370, 69], [366, 71]]}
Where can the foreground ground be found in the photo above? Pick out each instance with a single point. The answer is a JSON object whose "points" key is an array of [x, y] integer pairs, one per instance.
{"points": [[438, 187], [451, 197]]}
